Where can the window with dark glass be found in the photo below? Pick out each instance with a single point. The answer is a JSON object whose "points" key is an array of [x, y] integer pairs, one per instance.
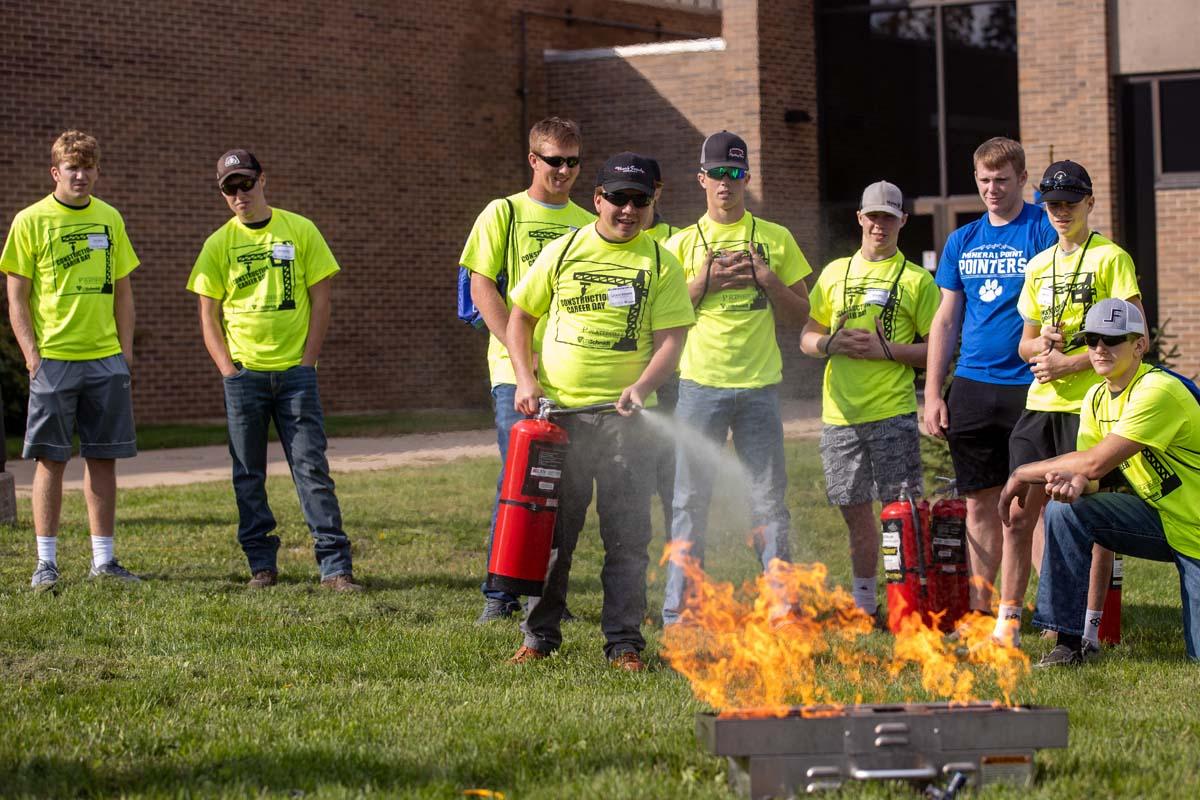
{"points": [[1179, 119]]}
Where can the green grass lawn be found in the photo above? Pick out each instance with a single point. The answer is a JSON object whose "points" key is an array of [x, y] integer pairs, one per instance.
{"points": [[189, 685]]}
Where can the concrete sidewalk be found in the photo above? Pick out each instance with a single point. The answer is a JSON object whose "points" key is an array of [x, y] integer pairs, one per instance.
{"points": [[184, 465]]}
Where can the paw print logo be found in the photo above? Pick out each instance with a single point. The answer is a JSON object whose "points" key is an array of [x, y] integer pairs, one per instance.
{"points": [[990, 290]]}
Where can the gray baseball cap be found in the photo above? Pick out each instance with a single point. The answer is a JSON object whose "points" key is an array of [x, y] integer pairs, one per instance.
{"points": [[1114, 317], [883, 196]]}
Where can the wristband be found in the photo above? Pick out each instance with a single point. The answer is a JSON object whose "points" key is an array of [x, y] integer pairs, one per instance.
{"points": [[829, 341]]}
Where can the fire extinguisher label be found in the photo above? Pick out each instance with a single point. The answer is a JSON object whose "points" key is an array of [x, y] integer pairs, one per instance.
{"points": [[1118, 573], [543, 473], [949, 541], [893, 563]]}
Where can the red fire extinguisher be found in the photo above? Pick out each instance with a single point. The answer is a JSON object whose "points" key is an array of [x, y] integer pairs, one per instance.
{"points": [[533, 474], [950, 577], [1110, 620], [905, 557]]}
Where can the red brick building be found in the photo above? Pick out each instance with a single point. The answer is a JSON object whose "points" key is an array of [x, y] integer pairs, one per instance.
{"points": [[391, 124]]}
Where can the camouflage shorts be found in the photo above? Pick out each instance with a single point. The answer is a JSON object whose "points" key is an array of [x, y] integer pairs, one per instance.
{"points": [[869, 461]]}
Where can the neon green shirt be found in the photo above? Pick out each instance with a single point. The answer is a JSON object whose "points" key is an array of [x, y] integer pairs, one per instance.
{"points": [[603, 302], [261, 276], [499, 242], [661, 231], [853, 293], [1059, 288], [733, 343], [1155, 410], [73, 257]]}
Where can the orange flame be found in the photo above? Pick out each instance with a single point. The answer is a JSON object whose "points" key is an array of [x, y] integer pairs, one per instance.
{"points": [[785, 638]]}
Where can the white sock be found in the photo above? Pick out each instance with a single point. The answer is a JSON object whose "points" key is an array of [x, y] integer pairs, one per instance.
{"points": [[102, 550], [1091, 627], [864, 591], [1008, 624], [48, 549]]}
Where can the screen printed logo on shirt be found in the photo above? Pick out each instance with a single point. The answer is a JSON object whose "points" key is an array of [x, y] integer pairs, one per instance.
{"points": [[600, 306], [531, 240], [82, 259], [728, 301], [872, 295], [264, 277], [1056, 297]]}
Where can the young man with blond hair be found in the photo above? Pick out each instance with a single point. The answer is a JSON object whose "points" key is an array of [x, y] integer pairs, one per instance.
{"points": [[70, 301], [504, 242], [744, 274], [263, 280], [981, 273], [616, 310], [868, 312]]}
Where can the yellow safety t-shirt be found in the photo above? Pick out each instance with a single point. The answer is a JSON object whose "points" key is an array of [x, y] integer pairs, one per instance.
{"points": [[732, 345], [261, 276], [661, 231], [501, 242], [1155, 410], [1058, 288], [603, 301], [73, 257], [853, 293]]}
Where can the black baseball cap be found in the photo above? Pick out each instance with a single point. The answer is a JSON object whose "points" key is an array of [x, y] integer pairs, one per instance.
{"points": [[1065, 181], [238, 162], [724, 149], [627, 171]]}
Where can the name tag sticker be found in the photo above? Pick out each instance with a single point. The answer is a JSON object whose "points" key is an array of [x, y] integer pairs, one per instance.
{"points": [[98, 241], [1045, 295], [876, 297], [284, 252], [620, 296]]}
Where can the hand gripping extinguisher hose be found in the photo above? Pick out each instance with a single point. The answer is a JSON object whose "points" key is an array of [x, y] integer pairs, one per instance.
{"points": [[919, 533]]}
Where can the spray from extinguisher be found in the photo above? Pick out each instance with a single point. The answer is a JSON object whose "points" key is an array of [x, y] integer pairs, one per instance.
{"points": [[529, 494], [1110, 621]]}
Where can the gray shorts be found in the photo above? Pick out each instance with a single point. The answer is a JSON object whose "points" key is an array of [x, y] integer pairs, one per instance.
{"points": [[93, 395], [869, 461]]}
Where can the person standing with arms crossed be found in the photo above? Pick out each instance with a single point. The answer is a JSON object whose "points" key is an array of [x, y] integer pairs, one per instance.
{"points": [[70, 301], [981, 273]]}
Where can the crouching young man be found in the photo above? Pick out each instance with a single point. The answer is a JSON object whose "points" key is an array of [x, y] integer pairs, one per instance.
{"points": [[617, 311], [1146, 421]]}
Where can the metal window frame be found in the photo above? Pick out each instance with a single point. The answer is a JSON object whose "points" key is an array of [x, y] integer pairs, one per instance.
{"points": [[1163, 179]]}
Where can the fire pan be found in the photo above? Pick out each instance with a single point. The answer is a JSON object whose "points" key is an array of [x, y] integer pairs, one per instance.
{"points": [[821, 748]]}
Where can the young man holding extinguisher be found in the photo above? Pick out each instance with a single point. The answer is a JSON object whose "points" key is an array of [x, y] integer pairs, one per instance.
{"points": [[868, 311], [1145, 421], [616, 309], [507, 237]]}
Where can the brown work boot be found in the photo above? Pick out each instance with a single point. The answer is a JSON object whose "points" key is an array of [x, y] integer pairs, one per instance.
{"points": [[342, 583], [628, 661], [263, 578], [526, 654]]}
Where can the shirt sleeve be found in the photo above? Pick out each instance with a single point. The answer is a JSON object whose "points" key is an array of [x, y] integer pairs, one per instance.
{"points": [[947, 271], [1089, 431], [18, 255], [928, 298], [534, 292], [124, 259], [672, 306], [321, 263], [794, 266], [680, 246], [206, 278], [486, 244], [1153, 415], [1122, 276], [1027, 304]]}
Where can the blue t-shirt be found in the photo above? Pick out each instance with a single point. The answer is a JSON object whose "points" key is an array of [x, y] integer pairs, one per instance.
{"points": [[987, 264]]}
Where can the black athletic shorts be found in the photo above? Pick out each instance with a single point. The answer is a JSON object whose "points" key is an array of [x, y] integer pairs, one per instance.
{"points": [[1039, 435], [982, 416]]}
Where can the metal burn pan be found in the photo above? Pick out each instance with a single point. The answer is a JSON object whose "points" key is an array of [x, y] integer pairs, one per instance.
{"points": [[813, 749]]}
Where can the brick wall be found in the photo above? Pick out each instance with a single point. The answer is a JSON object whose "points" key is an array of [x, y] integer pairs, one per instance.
{"points": [[1178, 242], [389, 124], [666, 103], [1066, 95]]}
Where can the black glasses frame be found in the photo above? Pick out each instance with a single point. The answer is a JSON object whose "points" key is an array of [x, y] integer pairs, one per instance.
{"points": [[622, 199], [1094, 339], [734, 173], [232, 187], [557, 161]]}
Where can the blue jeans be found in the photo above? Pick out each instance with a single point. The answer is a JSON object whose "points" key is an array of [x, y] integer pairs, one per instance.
{"points": [[1124, 524], [290, 397], [753, 416], [503, 396], [609, 451]]}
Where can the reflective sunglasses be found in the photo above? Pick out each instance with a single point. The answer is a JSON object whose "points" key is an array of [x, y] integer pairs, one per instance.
{"points": [[1094, 339], [716, 173], [231, 188], [622, 199], [1068, 184], [557, 161]]}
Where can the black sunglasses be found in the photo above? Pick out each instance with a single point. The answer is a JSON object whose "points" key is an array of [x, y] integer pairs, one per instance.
{"points": [[622, 199], [1065, 184], [557, 161], [716, 173], [1094, 339], [233, 187]]}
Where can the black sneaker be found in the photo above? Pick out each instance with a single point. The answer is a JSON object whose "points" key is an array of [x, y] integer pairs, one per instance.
{"points": [[497, 609], [1061, 656]]}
